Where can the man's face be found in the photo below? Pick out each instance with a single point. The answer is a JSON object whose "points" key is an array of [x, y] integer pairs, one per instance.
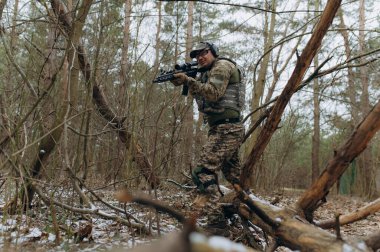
{"points": [[205, 58]]}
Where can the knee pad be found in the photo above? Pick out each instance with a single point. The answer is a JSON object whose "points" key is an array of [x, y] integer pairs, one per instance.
{"points": [[202, 186]]}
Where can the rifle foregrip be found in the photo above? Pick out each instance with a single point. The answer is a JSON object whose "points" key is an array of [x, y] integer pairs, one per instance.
{"points": [[185, 90], [163, 78]]}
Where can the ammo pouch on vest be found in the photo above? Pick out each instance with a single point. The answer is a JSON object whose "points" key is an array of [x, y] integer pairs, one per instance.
{"points": [[234, 97]]}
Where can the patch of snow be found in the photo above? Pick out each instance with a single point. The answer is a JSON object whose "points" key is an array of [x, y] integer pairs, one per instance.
{"points": [[217, 242], [362, 245], [51, 237], [17, 238], [10, 222], [225, 244], [197, 237], [34, 233], [225, 189], [170, 227], [4, 228], [348, 248]]}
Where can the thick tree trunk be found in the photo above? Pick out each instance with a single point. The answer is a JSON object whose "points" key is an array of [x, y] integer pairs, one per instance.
{"points": [[259, 83], [367, 176], [358, 141], [125, 65], [316, 120], [188, 132]]}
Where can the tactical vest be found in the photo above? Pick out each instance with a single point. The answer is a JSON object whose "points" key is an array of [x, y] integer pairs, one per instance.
{"points": [[233, 98]]}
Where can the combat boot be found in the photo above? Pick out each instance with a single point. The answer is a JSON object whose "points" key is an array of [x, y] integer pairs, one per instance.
{"points": [[208, 206], [207, 199], [217, 224]]}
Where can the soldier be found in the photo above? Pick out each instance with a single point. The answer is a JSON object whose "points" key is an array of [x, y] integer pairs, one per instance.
{"points": [[219, 94]]}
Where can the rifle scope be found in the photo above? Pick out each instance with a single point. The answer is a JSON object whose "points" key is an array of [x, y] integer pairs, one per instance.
{"points": [[185, 66]]}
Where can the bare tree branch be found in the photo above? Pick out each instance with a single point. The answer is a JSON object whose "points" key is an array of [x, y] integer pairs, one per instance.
{"points": [[244, 6]]}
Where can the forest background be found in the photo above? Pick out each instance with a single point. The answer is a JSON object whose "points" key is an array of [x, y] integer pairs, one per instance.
{"points": [[98, 121]]}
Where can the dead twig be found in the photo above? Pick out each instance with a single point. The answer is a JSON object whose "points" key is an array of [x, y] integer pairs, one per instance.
{"points": [[186, 187], [125, 196]]}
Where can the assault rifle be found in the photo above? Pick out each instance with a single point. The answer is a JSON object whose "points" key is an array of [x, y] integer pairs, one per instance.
{"points": [[188, 68]]}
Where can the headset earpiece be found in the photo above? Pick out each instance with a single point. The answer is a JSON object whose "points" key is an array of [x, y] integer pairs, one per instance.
{"points": [[213, 48]]}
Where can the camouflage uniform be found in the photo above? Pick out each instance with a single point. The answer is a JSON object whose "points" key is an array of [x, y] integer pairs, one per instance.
{"points": [[224, 137]]}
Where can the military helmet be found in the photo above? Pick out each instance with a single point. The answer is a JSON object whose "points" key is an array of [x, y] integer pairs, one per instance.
{"points": [[204, 45]]}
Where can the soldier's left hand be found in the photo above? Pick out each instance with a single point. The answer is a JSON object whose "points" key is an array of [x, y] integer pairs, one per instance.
{"points": [[179, 79]]}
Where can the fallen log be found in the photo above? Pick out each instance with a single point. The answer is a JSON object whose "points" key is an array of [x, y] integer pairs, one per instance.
{"points": [[290, 230], [373, 241], [360, 214]]}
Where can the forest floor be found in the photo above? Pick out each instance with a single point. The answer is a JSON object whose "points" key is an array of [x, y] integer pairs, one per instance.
{"points": [[36, 232]]}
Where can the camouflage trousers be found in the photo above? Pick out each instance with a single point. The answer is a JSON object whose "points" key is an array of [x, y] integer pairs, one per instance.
{"points": [[220, 153]]}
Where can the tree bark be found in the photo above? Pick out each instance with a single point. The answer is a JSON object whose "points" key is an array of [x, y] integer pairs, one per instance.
{"points": [[353, 103], [4, 123], [125, 65], [189, 116], [367, 176], [259, 84], [48, 143], [316, 120]]}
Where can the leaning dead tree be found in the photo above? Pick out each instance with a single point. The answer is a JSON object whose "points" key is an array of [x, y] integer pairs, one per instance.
{"points": [[355, 145]]}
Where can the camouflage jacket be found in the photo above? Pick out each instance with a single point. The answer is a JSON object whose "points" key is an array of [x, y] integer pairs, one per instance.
{"points": [[219, 92]]}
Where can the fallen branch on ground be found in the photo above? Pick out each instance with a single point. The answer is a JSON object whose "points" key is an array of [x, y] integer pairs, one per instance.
{"points": [[290, 230], [93, 211], [126, 197], [359, 214]]}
